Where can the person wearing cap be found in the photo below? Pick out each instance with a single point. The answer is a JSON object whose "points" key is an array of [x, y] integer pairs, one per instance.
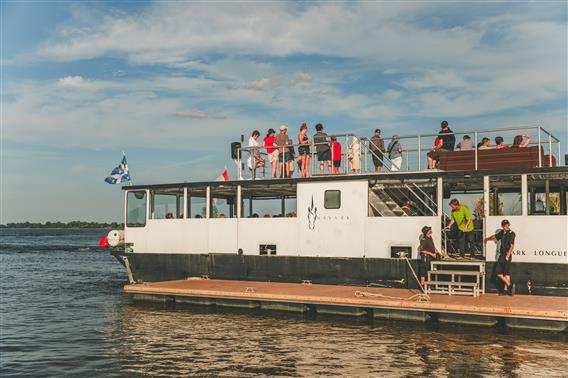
{"points": [[503, 270], [466, 144], [282, 140], [461, 217], [378, 149], [394, 152], [428, 252], [321, 141]]}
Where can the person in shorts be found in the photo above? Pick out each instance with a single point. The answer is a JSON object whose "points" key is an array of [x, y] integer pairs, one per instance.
{"points": [[272, 152], [283, 142], [434, 154], [377, 147], [503, 269], [428, 252], [304, 150], [321, 141], [335, 148]]}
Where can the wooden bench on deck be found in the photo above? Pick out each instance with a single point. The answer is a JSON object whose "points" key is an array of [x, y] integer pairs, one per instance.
{"points": [[494, 159]]}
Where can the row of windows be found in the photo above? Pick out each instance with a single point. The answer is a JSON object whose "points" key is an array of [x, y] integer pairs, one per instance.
{"points": [[545, 196]]}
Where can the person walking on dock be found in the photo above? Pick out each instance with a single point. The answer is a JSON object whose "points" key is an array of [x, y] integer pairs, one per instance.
{"points": [[428, 252], [461, 216], [507, 238]]}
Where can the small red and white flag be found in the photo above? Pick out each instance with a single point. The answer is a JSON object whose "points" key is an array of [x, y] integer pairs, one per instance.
{"points": [[224, 176]]}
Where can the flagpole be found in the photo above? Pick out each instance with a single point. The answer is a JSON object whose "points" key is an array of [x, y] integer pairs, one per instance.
{"points": [[130, 183]]}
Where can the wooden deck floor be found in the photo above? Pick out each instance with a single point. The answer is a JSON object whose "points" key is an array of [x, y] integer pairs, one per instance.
{"points": [[519, 306]]}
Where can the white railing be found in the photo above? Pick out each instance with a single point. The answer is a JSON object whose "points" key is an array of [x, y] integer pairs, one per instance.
{"points": [[414, 151]]}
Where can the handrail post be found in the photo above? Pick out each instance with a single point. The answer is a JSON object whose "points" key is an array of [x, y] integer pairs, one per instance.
{"points": [[346, 155], [539, 149], [366, 157], [475, 149], [558, 158], [419, 153], [549, 150]]}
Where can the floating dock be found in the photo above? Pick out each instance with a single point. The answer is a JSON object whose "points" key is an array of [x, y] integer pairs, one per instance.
{"points": [[519, 312]]}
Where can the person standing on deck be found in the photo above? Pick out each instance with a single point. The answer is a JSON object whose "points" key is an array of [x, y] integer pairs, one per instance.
{"points": [[285, 156], [395, 151], [447, 136], [272, 152], [428, 252], [377, 147], [335, 147], [507, 238], [461, 216], [304, 150], [321, 141]]}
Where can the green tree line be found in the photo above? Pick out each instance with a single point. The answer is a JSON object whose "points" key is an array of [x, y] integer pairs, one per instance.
{"points": [[72, 224]]}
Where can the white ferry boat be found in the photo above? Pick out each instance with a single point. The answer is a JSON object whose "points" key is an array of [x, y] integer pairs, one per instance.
{"points": [[354, 227]]}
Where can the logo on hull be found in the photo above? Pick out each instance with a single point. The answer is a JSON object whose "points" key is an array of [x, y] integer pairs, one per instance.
{"points": [[312, 215]]}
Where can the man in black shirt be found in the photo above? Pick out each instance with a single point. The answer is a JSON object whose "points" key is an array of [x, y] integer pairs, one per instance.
{"points": [[427, 252], [447, 136], [503, 269]]}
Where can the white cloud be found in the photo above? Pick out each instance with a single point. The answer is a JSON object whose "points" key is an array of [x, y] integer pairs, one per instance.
{"points": [[198, 114]]}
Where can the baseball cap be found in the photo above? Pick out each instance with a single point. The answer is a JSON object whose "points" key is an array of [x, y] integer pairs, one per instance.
{"points": [[504, 222], [283, 127], [425, 229]]}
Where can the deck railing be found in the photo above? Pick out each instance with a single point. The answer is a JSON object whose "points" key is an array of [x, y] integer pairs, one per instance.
{"points": [[415, 148]]}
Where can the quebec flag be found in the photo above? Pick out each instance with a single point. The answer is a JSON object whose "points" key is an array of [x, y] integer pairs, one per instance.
{"points": [[120, 173]]}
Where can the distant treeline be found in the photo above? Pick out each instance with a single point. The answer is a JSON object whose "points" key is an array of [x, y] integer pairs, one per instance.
{"points": [[73, 224]]}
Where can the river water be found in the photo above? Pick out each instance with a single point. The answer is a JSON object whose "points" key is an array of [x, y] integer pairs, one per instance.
{"points": [[63, 313]]}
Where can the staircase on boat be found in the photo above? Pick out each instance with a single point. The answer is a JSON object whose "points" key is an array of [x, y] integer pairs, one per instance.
{"points": [[456, 278]]}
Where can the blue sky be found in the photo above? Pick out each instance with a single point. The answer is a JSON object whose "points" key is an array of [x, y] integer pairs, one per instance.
{"points": [[172, 83]]}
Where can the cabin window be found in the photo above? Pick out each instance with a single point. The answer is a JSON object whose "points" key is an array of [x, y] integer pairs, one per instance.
{"points": [[505, 196], [196, 203], [223, 204], [547, 194], [397, 198], [166, 205], [136, 209], [272, 201], [332, 199]]}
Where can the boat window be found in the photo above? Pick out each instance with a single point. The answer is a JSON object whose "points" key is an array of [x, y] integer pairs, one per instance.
{"points": [[332, 199], [273, 201], [469, 192], [136, 209], [196, 203], [166, 205], [547, 194], [505, 196], [223, 202], [397, 198]]}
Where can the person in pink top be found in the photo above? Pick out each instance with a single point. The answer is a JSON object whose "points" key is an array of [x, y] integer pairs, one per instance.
{"points": [[335, 147], [268, 143]]}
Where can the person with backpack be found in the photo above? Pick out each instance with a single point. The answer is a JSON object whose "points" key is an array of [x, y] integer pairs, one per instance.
{"points": [[394, 152]]}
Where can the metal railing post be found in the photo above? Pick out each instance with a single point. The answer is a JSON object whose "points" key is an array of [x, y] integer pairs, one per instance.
{"points": [[539, 149], [346, 155], [558, 163], [549, 150], [419, 153], [475, 149], [366, 157]]}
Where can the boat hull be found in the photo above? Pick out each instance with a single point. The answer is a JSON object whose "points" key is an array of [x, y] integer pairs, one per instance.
{"points": [[545, 279]]}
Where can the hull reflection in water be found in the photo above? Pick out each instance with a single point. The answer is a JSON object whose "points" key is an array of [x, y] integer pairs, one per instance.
{"points": [[153, 340]]}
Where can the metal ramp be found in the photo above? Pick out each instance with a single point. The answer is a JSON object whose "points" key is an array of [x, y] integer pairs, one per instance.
{"points": [[456, 278]]}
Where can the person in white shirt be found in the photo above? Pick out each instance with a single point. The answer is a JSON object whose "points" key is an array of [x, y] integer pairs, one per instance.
{"points": [[255, 160]]}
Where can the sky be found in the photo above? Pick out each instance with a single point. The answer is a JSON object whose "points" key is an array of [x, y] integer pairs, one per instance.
{"points": [[172, 83]]}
